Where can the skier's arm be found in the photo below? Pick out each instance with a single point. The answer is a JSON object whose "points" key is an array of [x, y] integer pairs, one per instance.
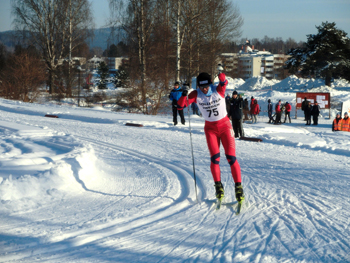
{"points": [[222, 85], [183, 102]]}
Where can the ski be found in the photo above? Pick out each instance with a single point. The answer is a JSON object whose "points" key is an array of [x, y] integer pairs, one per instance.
{"points": [[239, 207], [218, 204]]}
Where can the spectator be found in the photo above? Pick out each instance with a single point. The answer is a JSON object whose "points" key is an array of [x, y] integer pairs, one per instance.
{"points": [[236, 114], [255, 111], [245, 109], [304, 104], [315, 112], [278, 110], [251, 105], [195, 109], [174, 96], [227, 99], [308, 110], [288, 109], [336, 125], [345, 123], [269, 111]]}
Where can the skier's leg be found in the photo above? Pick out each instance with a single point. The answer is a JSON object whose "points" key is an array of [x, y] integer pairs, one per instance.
{"points": [[214, 150], [228, 141], [229, 145]]}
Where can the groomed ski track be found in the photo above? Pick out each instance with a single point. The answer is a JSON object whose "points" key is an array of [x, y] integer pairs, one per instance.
{"points": [[149, 213]]}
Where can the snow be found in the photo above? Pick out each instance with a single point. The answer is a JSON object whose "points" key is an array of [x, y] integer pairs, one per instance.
{"points": [[85, 187]]}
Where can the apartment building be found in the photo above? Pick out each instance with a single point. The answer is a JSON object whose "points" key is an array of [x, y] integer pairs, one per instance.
{"points": [[113, 63], [250, 62]]}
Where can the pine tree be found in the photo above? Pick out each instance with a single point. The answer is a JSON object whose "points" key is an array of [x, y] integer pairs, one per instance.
{"points": [[103, 73], [326, 54]]}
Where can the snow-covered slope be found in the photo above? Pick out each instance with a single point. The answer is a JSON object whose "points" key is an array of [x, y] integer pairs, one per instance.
{"points": [[86, 188]]}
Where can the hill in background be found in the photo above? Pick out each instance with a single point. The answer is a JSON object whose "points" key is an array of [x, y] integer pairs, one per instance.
{"points": [[102, 38]]}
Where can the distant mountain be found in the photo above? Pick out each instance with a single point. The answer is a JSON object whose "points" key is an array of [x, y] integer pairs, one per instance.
{"points": [[105, 37], [102, 38], [8, 38]]}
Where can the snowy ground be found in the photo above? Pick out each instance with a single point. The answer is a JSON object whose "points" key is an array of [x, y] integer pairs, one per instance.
{"points": [[86, 188]]}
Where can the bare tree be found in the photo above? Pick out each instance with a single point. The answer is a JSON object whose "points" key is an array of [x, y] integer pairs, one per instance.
{"points": [[56, 26], [222, 24], [22, 77], [138, 22], [169, 39]]}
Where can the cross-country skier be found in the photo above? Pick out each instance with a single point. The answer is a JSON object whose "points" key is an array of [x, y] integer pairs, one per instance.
{"points": [[211, 102]]}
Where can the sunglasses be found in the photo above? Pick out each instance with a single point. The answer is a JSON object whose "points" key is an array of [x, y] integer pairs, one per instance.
{"points": [[204, 87]]}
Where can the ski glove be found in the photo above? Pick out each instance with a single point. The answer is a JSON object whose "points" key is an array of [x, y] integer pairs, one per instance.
{"points": [[222, 78], [184, 93]]}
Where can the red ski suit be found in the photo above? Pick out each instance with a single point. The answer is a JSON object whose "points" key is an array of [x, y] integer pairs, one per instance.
{"points": [[219, 130]]}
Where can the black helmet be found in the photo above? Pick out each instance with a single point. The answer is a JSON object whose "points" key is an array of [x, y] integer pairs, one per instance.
{"points": [[204, 79]]}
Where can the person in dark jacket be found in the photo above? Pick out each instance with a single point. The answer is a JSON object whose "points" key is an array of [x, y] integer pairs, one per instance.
{"points": [[308, 110], [304, 104], [269, 111], [288, 109], [195, 108], [245, 109], [236, 114], [174, 96], [315, 112], [227, 100]]}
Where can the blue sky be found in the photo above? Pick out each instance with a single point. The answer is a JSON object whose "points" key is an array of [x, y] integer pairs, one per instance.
{"points": [[272, 18]]}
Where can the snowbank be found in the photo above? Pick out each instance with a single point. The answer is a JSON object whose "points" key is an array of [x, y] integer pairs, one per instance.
{"points": [[258, 83]]}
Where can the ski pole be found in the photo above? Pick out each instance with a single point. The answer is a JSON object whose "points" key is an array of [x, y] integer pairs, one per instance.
{"points": [[194, 169]]}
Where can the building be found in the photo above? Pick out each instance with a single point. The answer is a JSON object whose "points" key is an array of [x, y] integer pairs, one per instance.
{"points": [[250, 62], [113, 63]]}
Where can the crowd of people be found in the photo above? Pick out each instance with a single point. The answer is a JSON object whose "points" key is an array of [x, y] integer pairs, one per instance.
{"points": [[310, 111], [239, 110]]}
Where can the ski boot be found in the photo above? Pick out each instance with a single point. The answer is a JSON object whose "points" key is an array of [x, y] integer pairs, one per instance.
{"points": [[239, 192], [219, 190]]}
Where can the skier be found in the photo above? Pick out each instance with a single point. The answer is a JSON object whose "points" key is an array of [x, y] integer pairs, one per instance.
{"points": [[336, 126], [175, 94], [211, 102]]}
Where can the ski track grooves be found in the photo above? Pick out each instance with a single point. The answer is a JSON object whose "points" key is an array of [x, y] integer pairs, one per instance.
{"points": [[179, 204]]}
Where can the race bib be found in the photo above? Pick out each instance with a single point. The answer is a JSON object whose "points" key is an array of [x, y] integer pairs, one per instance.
{"points": [[213, 108]]}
